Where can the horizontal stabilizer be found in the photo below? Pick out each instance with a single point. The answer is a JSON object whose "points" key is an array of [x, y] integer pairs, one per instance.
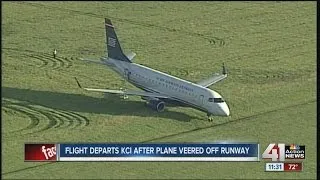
{"points": [[131, 55]]}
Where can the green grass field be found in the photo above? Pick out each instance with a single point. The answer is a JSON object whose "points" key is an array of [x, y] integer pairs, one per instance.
{"points": [[269, 49]]}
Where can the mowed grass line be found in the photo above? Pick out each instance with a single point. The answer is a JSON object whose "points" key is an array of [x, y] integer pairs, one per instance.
{"points": [[268, 49]]}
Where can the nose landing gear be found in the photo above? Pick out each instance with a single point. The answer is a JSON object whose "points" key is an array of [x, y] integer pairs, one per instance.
{"points": [[210, 118]]}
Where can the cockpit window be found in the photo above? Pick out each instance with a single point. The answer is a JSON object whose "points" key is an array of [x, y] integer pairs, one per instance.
{"points": [[216, 100]]}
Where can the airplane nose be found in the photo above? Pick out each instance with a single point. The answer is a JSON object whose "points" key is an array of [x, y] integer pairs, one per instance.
{"points": [[225, 109]]}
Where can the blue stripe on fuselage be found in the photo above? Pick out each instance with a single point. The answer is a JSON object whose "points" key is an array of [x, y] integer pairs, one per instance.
{"points": [[138, 85]]}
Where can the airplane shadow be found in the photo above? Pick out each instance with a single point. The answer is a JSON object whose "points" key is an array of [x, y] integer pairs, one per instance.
{"points": [[87, 104]]}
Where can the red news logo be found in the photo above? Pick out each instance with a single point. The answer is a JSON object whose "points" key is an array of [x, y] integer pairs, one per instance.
{"points": [[49, 152], [280, 152], [275, 152]]}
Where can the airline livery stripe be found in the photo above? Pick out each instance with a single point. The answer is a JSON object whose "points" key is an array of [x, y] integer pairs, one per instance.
{"points": [[109, 25], [174, 98]]}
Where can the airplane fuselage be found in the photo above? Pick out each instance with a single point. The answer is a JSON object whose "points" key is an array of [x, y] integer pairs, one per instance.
{"points": [[177, 89]]}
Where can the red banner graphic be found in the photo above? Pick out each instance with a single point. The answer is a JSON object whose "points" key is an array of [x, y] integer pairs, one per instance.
{"points": [[40, 152]]}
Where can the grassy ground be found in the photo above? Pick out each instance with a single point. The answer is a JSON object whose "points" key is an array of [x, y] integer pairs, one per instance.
{"points": [[268, 47]]}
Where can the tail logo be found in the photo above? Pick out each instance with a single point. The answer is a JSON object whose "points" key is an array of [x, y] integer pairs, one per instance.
{"points": [[111, 42]]}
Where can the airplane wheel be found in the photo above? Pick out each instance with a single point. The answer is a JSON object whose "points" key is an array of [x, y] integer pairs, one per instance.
{"points": [[156, 105], [160, 106]]}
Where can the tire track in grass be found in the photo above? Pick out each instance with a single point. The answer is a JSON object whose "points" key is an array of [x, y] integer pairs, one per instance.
{"points": [[56, 63], [56, 118], [43, 62], [78, 116], [62, 115], [46, 61], [34, 121], [213, 40], [64, 62], [70, 116], [32, 114]]}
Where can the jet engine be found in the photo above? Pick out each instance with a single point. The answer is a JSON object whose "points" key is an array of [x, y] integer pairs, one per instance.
{"points": [[156, 105]]}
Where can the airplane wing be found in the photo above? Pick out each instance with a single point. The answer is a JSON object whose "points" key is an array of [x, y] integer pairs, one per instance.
{"points": [[214, 79], [125, 92]]}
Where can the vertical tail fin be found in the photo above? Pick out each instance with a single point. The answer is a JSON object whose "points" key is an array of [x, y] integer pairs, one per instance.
{"points": [[113, 45]]}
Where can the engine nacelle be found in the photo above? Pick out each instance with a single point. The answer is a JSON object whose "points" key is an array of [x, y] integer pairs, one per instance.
{"points": [[156, 105]]}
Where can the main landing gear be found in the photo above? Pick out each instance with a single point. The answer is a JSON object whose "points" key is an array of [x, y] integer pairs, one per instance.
{"points": [[124, 96], [210, 118]]}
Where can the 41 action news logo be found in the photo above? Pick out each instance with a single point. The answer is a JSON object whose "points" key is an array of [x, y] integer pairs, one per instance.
{"points": [[280, 152]]}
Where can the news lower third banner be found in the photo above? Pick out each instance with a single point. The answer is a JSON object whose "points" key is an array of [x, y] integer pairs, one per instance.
{"points": [[143, 152]]}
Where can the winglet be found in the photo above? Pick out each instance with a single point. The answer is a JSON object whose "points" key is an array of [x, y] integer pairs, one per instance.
{"points": [[78, 82], [224, 70]]}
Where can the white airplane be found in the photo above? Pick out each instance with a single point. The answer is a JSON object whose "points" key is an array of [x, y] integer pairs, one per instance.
{"points": [[159, 87]]}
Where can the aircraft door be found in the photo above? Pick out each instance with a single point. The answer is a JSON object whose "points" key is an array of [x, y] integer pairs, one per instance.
{"points": [[201, 99], [127, 74]]}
